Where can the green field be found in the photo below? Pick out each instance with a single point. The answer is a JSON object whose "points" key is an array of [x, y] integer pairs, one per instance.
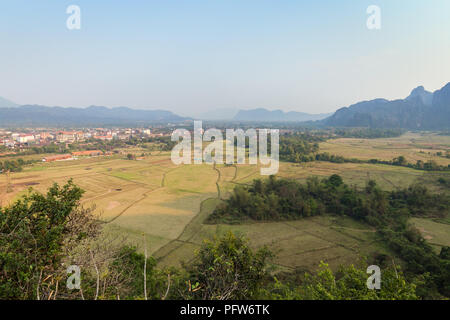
{"points": [[168, 203]]}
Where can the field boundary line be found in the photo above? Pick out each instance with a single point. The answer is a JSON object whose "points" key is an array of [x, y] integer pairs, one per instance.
{"points": [[321, 238], [217, 181], [191, 222], [144, 195]]}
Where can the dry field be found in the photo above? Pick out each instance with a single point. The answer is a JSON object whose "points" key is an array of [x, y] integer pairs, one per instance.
{"points": [[168, 203], [413, 146]]}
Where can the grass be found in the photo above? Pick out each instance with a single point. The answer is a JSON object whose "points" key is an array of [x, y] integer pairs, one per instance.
{"points": [[437, 234], [297, 244]]}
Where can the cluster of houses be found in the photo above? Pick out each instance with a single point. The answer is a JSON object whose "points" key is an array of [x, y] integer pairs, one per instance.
{"points": [[36, 137]]}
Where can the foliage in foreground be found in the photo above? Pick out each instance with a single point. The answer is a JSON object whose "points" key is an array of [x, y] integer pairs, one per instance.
{"points": [[228, 269], [349, 283]]}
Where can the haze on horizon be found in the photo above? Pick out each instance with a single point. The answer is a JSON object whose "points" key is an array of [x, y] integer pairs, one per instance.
{"points": [[194, 56]]}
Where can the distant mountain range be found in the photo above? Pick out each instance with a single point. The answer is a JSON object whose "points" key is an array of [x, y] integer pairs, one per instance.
{"points": [[261, 114], [421, 110], [35, 115]]}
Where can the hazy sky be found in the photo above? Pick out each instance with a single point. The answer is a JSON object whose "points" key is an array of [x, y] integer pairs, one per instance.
{"points": [[192, 56]]}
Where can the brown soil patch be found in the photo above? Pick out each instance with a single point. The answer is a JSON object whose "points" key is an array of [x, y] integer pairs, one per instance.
{"points": [[112, 205]]}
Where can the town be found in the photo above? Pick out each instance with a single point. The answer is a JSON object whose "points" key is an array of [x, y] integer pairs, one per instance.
{"points": [[81, 142]]}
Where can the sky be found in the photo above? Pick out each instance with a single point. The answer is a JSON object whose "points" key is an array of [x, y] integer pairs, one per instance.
{"points": [[196, 56]]}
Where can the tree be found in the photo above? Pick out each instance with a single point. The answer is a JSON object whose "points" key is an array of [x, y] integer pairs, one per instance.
{"points": [[351, 284], [335, 180], [33, 232], [227, 269], [400, 161]]}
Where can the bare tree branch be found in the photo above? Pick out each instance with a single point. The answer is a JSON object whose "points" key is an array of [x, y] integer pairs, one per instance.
{"points": [[98, 275], [168, 287], [145, 267], [37, 287]]}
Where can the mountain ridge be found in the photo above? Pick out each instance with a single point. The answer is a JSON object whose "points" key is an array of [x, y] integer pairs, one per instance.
{"points": [[5, 103], [421, 110], [37, 115]]}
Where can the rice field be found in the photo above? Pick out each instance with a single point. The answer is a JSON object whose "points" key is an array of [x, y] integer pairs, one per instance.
{"points": [[413, 146], [167, 204]]}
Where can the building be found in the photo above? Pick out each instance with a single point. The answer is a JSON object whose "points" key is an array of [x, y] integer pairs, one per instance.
{"points": [[46, 136], [9, 143], [69, 136], [23, 138], [104, 138], [88, 153], [58, 157]]}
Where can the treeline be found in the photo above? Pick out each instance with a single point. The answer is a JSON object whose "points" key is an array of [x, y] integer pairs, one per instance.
{"points": [[441, 154], [282, 199], [57, 148], [298, 147], [366, 133], [51, 148], [400, 161], [164, 143], [14, 165], [429, 165]]}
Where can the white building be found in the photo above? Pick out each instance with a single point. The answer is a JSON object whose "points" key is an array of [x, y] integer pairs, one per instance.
{"points": [[23, 138]]}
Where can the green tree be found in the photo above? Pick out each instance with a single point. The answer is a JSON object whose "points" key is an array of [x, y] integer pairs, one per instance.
{"points": [[32, 233], [227, 269], [335, 180], [351, 284]]}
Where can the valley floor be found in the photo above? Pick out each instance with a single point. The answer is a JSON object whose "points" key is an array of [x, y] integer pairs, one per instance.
{"points": [[168, 203]]}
